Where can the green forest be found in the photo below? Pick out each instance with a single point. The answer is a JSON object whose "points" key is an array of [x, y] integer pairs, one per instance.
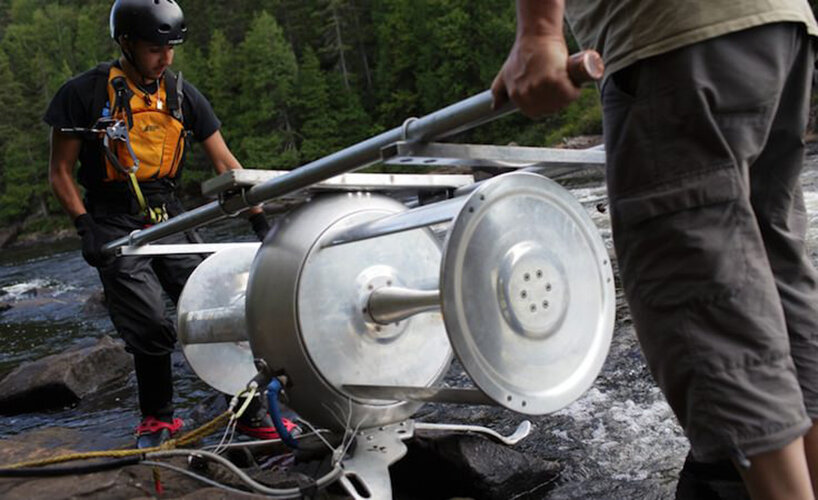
{"points": [[291, 80]]}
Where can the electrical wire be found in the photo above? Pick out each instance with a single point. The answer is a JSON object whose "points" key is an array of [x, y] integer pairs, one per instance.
{"points": [[198, 477], [273, 391], [320, 483]]}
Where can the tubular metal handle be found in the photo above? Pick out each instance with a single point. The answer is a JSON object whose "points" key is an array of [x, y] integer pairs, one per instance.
{"points": [[585, 67]]}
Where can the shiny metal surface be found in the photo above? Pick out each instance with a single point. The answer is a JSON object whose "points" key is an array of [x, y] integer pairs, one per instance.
{"points": [[454, 395], [183, 248], [391, 304], [233, 179], [528, 293], [366, 472], [438, 154], [426, 215], [463, 115], [306, 311], [521, 432], [212, 326], [217, 288]]}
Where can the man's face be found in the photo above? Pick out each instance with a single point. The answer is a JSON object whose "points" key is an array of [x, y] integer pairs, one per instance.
{"points": [[151, 60]]}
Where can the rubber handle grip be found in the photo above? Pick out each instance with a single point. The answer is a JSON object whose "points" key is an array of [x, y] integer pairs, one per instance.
{"points": [[585, 66]]}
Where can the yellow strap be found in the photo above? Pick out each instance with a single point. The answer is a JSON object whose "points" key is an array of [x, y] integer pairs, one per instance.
{"points": [[152, 216]]}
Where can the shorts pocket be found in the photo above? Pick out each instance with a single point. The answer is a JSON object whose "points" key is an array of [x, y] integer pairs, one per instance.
{"points": [[684, 241]]}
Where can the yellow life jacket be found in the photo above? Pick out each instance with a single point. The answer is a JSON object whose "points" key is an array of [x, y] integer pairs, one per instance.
{"points": [[156, 131]]}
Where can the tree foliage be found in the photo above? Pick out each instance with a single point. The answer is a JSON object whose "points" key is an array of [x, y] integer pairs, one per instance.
{"points": [[291, 80]]}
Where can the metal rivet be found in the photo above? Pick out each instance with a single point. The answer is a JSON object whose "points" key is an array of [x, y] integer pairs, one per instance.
{"points": [[545, 304], [371, 287], [539, 273], [523, 294], [389, 283], [527, 277], [524, 403], [533, 308], [548, 287], [482, 197], [471, 210], [508, 398], [377, 328]]}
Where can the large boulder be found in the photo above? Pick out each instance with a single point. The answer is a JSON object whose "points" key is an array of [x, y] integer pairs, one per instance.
{"points": [[63, 379], [464, 465]]}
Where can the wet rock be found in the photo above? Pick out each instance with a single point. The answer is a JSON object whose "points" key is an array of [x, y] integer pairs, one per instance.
{"points": [[462, 465], [95, 304], [63, 379], [127, 483]]}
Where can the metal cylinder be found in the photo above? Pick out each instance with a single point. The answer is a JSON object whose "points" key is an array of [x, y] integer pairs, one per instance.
{"points": [[211, 326], [393, 304]]}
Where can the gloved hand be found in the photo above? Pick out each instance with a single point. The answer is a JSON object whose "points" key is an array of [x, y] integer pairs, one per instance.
{"points": [[260, 225], [92, 241]]}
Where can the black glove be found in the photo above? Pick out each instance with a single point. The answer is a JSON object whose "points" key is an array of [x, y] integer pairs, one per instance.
{"points": [[260, 225], [92, 241]]}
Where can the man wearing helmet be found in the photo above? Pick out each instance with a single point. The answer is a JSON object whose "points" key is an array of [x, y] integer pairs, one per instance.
{"points": [[130, 186]]}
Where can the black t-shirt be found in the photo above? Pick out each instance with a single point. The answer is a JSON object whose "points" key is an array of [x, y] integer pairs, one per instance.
{"points": [[72, 106]]}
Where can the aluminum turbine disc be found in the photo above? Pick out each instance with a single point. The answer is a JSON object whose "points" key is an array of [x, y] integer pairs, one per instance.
{"points": [[528, 294], [219, 284]]}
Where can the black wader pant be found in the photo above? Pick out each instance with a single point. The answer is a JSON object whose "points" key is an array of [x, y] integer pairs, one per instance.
{"points": [[134, 287]]}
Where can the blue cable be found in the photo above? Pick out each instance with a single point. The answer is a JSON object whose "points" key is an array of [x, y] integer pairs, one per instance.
{"points": [[275, 413]]}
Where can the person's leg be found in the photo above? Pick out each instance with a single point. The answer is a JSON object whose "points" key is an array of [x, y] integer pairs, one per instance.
{"points": [[778, 202], [779, 474], [136, 305], [681, 131], [811, 451]]}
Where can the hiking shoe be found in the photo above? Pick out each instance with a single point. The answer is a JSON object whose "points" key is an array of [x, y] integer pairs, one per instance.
{"points": [[262, 427], [153, 432]]}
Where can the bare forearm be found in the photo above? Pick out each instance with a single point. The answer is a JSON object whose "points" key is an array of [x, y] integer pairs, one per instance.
{"points": [[64, 188], [540, 17]]}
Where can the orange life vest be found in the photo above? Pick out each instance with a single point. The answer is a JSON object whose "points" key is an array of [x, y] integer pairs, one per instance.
{"points": [[156, 131]]}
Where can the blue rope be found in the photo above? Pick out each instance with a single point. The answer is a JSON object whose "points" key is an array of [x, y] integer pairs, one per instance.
{"points": [[275, 413]]}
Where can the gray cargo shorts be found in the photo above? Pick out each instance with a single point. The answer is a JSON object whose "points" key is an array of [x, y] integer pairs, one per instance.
{"points": [[705, 147]]}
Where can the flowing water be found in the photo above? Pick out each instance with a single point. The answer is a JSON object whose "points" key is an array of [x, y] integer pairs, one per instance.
{"points": [[618, 441]]}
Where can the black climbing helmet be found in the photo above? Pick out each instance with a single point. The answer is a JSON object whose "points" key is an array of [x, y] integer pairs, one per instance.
{"points": [[155, 21]]}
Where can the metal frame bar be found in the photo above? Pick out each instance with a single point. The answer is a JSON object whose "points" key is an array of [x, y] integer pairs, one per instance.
{"points": [[437, 154], [463, 115]]}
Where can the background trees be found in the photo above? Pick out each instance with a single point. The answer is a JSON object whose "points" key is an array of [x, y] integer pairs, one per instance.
{"points": [[291, 80]]}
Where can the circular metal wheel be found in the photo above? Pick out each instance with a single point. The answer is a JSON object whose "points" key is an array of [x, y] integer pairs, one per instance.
{"points": [[216, 288], [528, 294], [306, 311]]}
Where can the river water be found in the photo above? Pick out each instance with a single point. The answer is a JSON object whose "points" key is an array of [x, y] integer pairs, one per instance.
{"points": [[618, 441]]}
